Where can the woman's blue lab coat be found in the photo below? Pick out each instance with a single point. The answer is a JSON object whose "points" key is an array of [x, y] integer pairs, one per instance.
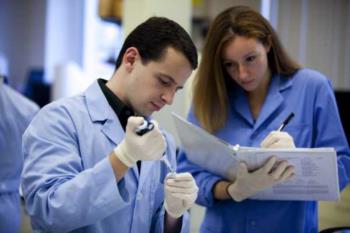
{"points": [[316, 124], [68, 181], [15, 114]]}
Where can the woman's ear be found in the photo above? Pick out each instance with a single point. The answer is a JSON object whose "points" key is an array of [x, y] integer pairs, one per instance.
{"points": [[129, 58]]}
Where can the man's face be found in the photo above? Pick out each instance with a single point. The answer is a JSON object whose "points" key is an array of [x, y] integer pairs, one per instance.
{"points": [[151, 86]]}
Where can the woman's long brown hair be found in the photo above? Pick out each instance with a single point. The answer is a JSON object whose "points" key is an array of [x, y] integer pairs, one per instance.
{"points": [[210, 91]]}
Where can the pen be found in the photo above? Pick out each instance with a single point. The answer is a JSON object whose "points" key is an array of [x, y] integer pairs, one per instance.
{"points": [[286, 121]]}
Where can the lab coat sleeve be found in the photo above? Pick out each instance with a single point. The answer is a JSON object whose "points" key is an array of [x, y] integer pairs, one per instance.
{"points": [[15, 114], [158, 222], [329, 131], [185, 223], [60, 194]]}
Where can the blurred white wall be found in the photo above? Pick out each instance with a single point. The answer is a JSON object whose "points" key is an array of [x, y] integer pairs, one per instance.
{"points": [[64, 34], [22, 29], [69, 79], [317, 34]]}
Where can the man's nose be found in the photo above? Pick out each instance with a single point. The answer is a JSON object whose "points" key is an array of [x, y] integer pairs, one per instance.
{"points": [[168, 96]]}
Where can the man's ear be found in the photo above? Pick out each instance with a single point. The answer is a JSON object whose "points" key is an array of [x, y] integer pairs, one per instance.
{"points": [[129, 58]]}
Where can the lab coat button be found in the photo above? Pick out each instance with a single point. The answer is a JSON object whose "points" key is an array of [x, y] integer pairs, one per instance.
{"points": [[139, 196]]}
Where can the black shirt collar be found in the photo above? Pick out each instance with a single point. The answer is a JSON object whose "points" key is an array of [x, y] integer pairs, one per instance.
{"points": [[122, 111]]}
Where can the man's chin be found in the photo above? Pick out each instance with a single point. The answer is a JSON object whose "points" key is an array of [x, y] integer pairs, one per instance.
{"points": [[144, 113]]}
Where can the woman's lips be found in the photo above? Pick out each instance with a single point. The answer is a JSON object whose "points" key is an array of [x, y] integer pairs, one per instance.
{"points": [[248, 82]]}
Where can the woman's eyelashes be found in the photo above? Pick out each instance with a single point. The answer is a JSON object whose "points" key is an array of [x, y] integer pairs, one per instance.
{"points": [[251, 58], [228, 64], [247, 60]]}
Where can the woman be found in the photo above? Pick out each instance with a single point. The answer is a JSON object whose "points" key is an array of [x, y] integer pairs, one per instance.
{"points": [[246, 85]]}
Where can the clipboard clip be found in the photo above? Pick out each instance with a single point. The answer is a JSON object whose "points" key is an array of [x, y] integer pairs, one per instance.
{"points": [[236, 148]]}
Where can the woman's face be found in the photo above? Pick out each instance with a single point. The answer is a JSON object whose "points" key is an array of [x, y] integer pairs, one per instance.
{"points": [[245, 60]]}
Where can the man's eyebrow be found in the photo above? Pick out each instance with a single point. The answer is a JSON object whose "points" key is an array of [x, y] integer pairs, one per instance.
{"points": [[171, 79]]}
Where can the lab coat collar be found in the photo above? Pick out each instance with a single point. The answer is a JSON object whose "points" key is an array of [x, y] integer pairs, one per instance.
{"points": [[241, 106], [100, 111], [273, 101], [284, 82]]}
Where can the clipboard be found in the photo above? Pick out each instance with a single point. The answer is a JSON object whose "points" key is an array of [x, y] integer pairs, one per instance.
{"points": [[316, 169]]}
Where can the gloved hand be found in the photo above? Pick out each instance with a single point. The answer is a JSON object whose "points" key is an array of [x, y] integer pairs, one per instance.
{"points": [[278, 139], [248, 183], [180, 193], [149, 146]]}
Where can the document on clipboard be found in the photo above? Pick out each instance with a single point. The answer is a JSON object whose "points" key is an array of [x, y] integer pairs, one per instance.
{"points": [[316, 170]]}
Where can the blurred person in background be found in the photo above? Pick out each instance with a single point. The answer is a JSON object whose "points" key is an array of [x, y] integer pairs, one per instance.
{"points": [[16, 112]]}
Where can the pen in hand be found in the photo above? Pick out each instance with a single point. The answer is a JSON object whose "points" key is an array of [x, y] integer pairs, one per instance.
{"points": [[286, 121], [278, 139]]}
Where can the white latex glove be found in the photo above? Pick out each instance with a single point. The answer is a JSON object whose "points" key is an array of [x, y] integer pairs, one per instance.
{"points": [[133, 148], [180, 193], [278, 139], [249, 183]]}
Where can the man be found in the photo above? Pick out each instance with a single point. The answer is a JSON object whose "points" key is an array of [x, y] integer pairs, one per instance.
{"points": [[84, 173], [15, 114]]}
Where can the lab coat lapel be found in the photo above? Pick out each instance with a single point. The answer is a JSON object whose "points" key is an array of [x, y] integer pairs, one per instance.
{"points": [[274, 100], [241, 106], [101, 112], [113, 131], [145, 169]]}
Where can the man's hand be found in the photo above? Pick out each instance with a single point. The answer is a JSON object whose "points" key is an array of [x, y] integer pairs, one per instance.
{"points": [[133, 148], [248, 183], [180, 193], [278, 139]]}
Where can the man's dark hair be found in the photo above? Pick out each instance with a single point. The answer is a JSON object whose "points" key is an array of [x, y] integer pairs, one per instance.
{"points": [[153, 36]]}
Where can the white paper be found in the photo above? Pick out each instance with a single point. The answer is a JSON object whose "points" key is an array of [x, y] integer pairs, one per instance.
{"points": [[316, 171]]}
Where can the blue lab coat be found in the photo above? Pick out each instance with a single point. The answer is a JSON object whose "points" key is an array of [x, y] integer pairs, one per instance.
{"points": [[68, 181], [316, 124], [15, 114]]}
